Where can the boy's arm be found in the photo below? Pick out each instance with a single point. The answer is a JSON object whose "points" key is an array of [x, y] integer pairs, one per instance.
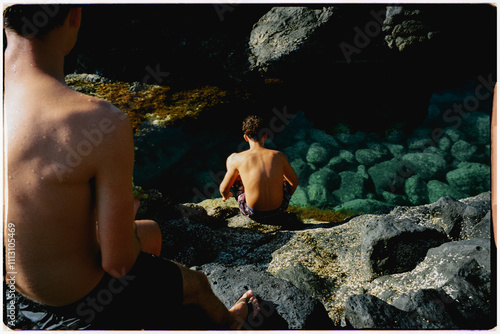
{"points": [[114, 197], [290, 175], [231, 176]]}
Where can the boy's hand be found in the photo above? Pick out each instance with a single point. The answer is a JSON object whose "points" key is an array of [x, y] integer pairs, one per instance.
{"points": [[224, 198]]}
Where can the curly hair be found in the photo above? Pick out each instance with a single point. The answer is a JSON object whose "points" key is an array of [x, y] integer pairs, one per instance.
{"points": [[252, 126]]}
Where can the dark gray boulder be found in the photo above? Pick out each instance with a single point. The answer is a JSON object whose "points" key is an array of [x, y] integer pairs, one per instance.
{"points": [[407, 28], [283, 305], [450, 289], [297, 150], [451, 213], [471, 288], [369, 312], [483, 228], [390, 246], [424, 309], [459, 220], [283, 31], [433, 308]]}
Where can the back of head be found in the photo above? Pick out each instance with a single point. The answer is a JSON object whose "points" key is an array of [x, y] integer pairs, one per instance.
{"points": [[253, 127], [35, 20]]}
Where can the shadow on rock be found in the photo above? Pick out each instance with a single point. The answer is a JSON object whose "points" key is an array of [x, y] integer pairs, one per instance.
{"points": [[287, 220], [194, 318], [283, 306]]}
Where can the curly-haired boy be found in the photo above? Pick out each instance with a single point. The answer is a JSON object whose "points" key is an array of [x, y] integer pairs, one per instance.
{"points": [[264, 179]]}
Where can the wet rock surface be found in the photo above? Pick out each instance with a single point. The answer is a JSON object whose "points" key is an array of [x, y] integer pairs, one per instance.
{"points": [[415, 267]]}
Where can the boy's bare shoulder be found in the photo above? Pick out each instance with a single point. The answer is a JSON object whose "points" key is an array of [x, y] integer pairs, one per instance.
{"points": [[93, 105], [279, 154], [89, 111], [235, 158]]}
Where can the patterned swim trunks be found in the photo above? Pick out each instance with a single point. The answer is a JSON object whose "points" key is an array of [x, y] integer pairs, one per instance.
{"points": [[251, 213]]}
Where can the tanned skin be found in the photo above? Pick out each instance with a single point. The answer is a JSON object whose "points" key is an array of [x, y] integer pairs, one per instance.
{"points": [[69, 176], [262, 172]]}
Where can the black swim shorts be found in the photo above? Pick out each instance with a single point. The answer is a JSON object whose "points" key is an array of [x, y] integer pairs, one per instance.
{"points": [[148, 297]]}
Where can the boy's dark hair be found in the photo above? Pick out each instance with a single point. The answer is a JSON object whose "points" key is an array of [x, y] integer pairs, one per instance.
{"points": [[252, 126], [35, 20]]}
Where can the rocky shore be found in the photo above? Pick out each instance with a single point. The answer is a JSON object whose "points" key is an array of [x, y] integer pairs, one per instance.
{"points": [[416, 267], [382, 104], [381, 111], [361, 171]]}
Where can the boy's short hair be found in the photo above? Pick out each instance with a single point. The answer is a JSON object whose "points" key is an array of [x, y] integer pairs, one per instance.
{"points": [[252, 126], [35, 20]]}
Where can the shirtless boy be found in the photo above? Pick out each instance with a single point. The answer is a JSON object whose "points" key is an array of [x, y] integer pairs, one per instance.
{"points": [[69, 165], [264, 179]]}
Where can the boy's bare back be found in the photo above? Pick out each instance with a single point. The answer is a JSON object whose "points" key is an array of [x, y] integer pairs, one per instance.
{"points": [[262, 172], [55, 141]]}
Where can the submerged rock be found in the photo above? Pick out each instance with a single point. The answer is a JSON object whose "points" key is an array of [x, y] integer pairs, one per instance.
{"points": [[470, 178], [318, 154], [426, 165]]}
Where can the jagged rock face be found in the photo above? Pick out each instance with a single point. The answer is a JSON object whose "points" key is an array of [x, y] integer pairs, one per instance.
{"points": [[282, 31], [422, 267], [391, 56], [459, 272], [407, 28]]}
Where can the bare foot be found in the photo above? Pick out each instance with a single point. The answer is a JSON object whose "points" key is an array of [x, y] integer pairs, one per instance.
{"points": [[240, 310]]}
